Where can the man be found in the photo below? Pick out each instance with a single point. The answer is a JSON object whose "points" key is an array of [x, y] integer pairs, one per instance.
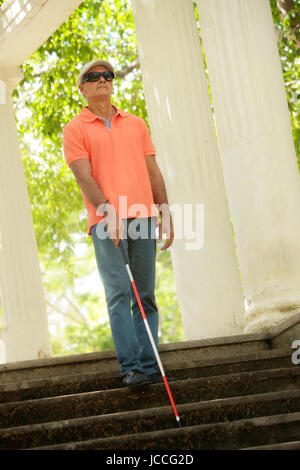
{"points": [[113, 159]]}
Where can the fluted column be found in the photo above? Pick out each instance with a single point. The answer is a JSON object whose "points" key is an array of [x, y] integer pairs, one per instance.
{"points": [[25, 332], [257, 152], [207, 278]]}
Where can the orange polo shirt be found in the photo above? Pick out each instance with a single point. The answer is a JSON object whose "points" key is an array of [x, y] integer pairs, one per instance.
{"points": [[118, 162]]}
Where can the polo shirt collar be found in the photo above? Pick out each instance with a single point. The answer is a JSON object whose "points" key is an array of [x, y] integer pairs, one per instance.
{"points": [[89, 116]]}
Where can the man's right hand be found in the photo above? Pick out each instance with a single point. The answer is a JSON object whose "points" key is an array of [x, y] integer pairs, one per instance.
{"points": [[114, 224]]}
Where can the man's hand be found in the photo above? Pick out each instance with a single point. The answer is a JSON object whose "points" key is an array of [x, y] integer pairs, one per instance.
{"points": [[166, 227], [115, 226], [160, 198]]}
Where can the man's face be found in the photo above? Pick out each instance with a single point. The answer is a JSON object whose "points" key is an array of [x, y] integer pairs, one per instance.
{"points": [[101, 88]]}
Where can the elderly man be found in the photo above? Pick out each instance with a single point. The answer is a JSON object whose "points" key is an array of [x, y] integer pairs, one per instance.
{"points": [[113, 159]]}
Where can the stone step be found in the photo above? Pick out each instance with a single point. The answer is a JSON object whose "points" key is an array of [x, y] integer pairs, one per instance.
{"points": [[295, 445], [105, 361], [95, 427], [215, 436], [80, 383], [148, 396]]}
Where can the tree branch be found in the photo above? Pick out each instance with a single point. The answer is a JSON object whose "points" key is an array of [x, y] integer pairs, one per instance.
{"points": [[75, 308], [122, 73], [65, 314], [284, 6], [124, 52], [119, 74]]}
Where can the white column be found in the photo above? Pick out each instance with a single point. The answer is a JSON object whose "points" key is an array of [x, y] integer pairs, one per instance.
{"points": [[25, 329], [208, 282], [257, 152]]}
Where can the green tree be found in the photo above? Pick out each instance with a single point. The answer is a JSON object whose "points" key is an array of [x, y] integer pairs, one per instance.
{"points": [[48, 97], [286, 17]]}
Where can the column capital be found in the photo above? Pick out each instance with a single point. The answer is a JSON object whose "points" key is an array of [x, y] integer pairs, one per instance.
{"points": [[10, 76]]}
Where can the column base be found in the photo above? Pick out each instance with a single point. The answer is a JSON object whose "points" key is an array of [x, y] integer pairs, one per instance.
{"points": [[263, 315]]}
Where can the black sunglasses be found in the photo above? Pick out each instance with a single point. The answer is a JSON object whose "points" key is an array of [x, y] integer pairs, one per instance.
{"points": [[95, 76]]}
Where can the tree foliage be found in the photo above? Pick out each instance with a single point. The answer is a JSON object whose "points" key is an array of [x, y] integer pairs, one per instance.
{"points": [[45, 100], [287, 28], [48, 97]]}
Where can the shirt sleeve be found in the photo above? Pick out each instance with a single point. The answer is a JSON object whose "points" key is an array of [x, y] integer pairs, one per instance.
{"points": [[73, 145], [149, 148]]}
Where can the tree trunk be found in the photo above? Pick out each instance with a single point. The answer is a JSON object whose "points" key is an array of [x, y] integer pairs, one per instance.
{"points": [[284, 6]]}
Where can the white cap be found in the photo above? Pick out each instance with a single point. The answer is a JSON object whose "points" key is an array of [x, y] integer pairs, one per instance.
{"points": [[91, 64]]}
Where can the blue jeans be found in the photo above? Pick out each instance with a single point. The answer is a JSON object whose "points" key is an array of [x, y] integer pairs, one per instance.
{"points": [[133, 348]]}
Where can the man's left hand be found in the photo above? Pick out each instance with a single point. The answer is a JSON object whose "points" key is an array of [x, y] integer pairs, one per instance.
{"points": [[166, 227]]}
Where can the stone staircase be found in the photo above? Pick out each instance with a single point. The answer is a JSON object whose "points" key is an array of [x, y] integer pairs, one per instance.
{"points": [[237, 392]]}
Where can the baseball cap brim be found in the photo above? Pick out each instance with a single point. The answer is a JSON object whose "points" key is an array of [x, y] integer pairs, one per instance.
{"points": [[91, 64]]}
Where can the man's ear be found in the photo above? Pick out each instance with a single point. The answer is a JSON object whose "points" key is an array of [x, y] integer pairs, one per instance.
{"points": [[81, 90]]}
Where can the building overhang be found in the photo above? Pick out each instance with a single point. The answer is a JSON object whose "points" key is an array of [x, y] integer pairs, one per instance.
{"points": [[26, 24]]}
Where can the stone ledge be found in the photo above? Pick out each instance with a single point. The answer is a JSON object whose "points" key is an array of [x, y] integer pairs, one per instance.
{"points": [[283, 335], [280, 336], [295, 445], [212, 436], [203, 412], [166, 347], [99, 402], [46, 386]]}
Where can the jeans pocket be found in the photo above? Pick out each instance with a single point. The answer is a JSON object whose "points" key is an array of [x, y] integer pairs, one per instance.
{"points": [[99, 230]]}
